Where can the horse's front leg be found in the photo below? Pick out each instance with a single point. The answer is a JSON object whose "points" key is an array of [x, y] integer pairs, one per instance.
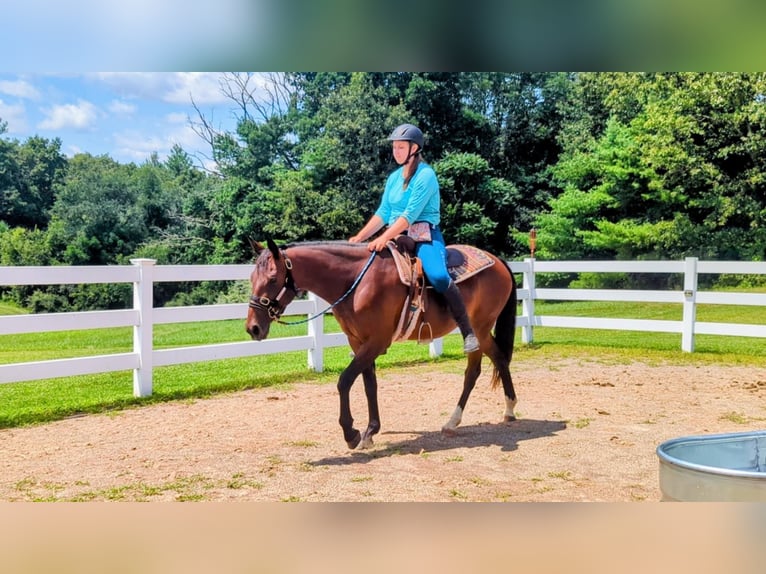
{"points": [[371, 392], [363, 363], [345, 381]]}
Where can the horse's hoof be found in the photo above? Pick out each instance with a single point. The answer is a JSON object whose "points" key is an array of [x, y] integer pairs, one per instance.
{"points": [[508, 419], [449, 431], [354, 442], [365, 443]]}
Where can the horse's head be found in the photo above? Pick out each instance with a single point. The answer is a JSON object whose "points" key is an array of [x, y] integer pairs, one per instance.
{"points": [[272, 288]]}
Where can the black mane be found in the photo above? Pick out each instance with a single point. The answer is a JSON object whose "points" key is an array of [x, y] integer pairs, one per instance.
{"points": [[326, 243]]}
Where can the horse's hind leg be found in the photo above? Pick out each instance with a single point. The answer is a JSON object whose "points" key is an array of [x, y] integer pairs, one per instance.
{"points": [[509, 394], [503, 373], [371, 392], [472, 372]]}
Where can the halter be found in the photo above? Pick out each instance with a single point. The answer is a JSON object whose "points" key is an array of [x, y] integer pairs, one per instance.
{"points": [[274, 307]]}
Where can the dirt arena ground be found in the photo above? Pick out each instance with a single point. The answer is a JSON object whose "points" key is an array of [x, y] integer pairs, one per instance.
{"points": [[587, 431]]}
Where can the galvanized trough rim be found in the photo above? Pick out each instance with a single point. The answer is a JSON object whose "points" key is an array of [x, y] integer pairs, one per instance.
{"points": [[722, 437]]}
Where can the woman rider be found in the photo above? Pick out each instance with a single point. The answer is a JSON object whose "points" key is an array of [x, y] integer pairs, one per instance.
{"points": [[411, 196]]}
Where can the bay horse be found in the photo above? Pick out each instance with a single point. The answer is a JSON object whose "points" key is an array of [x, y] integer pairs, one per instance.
{"points": [[369, 298]]}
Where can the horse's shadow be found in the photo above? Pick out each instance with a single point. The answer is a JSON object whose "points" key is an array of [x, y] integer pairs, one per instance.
{"points": [[507, 437]]}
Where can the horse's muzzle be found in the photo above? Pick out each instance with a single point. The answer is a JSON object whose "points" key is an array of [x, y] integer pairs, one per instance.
{"points": [[255, 332]]}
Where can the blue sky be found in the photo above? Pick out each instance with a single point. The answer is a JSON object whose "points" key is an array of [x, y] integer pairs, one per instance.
{"points": [[125, 115]]}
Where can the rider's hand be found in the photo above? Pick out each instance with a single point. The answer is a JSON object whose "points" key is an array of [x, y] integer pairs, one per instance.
{"points": [[378, 244]]}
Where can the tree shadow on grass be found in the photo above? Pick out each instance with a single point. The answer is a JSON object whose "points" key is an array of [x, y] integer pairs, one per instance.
{"points": [[507, 437]]}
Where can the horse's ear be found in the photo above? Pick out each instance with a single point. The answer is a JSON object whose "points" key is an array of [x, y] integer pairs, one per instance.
{"points": [[255, 246], [273, 248]]}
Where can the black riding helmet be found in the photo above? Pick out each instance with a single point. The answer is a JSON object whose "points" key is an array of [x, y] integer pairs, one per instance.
{"points": [[407, 132]]}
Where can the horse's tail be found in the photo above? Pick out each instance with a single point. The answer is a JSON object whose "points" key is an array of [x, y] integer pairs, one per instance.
{"points": [[505, 328]]}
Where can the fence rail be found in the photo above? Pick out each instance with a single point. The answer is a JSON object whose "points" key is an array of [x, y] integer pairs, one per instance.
{"points": [[690, 268], [143, 274]]}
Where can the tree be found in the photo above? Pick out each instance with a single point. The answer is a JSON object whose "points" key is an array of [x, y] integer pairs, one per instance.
{"points": [[43, 168], [29, 173], [98, 216], [9, 176], [350, 153], [676, 170], [472, 200], [18, 247], [263, 133]]}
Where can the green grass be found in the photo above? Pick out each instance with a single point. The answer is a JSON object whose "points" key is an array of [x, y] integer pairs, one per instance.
{"points": [[188, 488], [7, 308], [707, 347], [35, 402]]}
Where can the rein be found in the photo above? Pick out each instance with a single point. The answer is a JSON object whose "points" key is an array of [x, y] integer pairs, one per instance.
{"points": [[275, 309]]}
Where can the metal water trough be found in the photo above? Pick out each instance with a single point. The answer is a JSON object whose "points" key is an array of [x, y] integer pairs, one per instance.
{"points": [[720, 467]]}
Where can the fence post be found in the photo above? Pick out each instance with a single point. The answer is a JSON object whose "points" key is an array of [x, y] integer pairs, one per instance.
{"points": [[690, 304], [315, 354], [143, 302], [528, 304]]}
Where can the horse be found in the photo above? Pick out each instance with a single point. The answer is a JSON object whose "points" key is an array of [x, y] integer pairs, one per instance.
{"points": [[369, 297]]}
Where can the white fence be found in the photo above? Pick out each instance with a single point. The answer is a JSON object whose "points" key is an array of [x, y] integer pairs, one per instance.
{"points": [[691, 268], [143, 274]]}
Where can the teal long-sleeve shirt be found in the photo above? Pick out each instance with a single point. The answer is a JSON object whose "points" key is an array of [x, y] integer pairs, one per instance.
{"points": [[419, 202]]}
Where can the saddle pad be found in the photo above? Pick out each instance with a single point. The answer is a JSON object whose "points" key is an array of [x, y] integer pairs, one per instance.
{"points": [[474, 261]]}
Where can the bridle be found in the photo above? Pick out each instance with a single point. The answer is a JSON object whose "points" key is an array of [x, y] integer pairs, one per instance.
{"points": [[275, 307]]}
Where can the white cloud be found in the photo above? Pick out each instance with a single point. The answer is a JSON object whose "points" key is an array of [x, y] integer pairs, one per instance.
{"points": [[80, 116], [177, 118], [19, 89], [122, 108], [147, 85], [169, 87], [126, 115], [15, 116], [204, 88], [138, 146], [73, 150], [187, 138]]}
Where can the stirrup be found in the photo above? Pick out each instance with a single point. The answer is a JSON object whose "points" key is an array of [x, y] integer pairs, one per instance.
{"points": [[470, 343]]}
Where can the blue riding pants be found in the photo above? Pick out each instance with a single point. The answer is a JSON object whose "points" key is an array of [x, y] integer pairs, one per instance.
{"points": [[433, 254]]}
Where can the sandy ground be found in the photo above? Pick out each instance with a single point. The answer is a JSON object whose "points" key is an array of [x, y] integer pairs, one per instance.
{"points": [[587, 431]]}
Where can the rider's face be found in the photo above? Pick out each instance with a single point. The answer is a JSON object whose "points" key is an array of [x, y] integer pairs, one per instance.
{"points": [[401, 150]]}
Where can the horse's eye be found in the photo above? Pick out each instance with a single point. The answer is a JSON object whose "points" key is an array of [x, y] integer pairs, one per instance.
{"points": [[272, 279]]}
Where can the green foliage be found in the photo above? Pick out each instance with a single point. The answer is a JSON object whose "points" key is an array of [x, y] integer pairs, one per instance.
{"points": [[29, 173], [347, 155], [99, 208], [21, 246], [660, 166], [474, 201], [601, 281], [301, 212]]}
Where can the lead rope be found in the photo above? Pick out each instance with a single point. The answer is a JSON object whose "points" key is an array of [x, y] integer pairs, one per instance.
{"points": [[342, 297]]}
